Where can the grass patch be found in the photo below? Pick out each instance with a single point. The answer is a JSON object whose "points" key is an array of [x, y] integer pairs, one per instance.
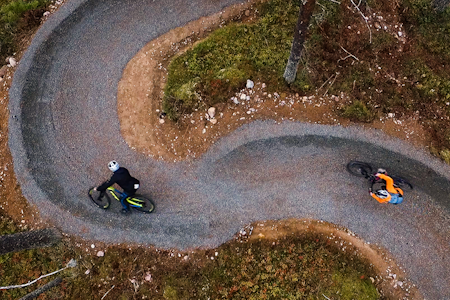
{"points": [[388, 76], [217, 67], [357, 111], [430, 27], [296, 267], [17, 16]]}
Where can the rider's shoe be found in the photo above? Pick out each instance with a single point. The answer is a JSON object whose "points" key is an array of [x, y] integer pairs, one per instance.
{"points": [[125, 211]]}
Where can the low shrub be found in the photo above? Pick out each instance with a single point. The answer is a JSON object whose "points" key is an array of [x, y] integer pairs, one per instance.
{"points": [[16, 16], [13, 11], [357, 111]]}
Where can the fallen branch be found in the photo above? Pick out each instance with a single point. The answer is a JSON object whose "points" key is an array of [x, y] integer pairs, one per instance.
{"points": [[326, 81], [108, 292], [72, 263], [349, 55], [34, 294], [331, 84], [365, 19]]}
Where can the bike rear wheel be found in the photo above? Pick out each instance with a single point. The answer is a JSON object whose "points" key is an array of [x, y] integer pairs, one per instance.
{"points": [[402, 183], [359, 168], [141, 204], [102, 202]]}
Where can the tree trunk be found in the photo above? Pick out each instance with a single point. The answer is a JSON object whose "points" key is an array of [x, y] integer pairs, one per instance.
{"points": [[299, 38], [34, 294], [28, 240]]}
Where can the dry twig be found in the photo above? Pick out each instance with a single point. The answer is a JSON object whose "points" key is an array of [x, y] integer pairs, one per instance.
{"points": [[349, 55], [108, 292], [71, 264], [326, 81], [364, 17], [331, 84]]}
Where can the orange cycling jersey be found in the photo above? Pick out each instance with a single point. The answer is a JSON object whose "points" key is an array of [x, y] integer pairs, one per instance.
{"points": [[389, 187]]}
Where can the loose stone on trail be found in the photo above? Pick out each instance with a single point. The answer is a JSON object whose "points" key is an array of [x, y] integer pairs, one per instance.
{"points": [[211, 112]]}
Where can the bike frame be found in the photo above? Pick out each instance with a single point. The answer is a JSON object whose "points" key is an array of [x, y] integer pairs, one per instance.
{"points": [[118, 194]]}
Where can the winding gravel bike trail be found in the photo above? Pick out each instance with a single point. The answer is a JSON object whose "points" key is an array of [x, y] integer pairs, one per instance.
{"points": [[64, 129]]}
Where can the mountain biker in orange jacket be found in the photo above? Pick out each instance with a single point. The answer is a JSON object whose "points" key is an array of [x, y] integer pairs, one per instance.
{"points": [[122, 177], [389, 193]]}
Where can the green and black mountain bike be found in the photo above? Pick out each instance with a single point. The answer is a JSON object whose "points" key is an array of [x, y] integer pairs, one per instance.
{"points": [[103, 200]]}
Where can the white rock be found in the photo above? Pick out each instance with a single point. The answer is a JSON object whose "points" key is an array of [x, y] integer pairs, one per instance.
{"points": [[47, 13], [161, 121], [235, 100], [247, 98], [92, 246], [400, 33], [243, 96], [148, 277], [263, 86], [391, 115], [100, 253], [211, 112], [250, 84], [87, 272], [204, 130], [213, 121], [12, 62]]}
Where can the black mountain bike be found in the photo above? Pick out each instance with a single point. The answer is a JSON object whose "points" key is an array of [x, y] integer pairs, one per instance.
{"points": [[362, 169]]}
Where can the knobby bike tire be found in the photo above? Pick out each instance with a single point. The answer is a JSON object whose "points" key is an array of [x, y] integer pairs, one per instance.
{"points": [[147, 206], [402, 183], [102, 202], [359, 168]]}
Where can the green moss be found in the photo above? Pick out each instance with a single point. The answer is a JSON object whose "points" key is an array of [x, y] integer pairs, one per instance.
{"points": [[11, 12], [445, 155], [383, 42], [357, 111], [349, 286], [170, 293]]}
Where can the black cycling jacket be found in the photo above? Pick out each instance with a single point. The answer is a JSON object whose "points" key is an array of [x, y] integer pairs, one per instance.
{"points": [[123, 178]]}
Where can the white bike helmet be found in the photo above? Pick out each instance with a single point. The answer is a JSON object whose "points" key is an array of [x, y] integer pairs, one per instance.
{"points": [[113, 165], [383, 194], [381, 171]]}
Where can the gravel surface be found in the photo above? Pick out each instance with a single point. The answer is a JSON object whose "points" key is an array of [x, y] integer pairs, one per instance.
{"points": [[64, 129]]}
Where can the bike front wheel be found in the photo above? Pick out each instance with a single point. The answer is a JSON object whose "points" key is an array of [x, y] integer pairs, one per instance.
{"points": [[100, 200], [141, 204], [359, 168]]}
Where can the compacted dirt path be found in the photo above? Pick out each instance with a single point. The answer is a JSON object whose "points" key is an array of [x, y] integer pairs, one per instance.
{"points": [[64, 129]]}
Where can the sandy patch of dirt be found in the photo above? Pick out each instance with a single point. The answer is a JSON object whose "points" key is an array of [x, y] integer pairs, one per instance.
{"points": [[391, 279], [140, 95]]}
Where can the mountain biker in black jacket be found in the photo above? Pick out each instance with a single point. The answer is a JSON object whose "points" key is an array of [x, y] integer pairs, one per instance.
{"points": [[122, 177]]}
